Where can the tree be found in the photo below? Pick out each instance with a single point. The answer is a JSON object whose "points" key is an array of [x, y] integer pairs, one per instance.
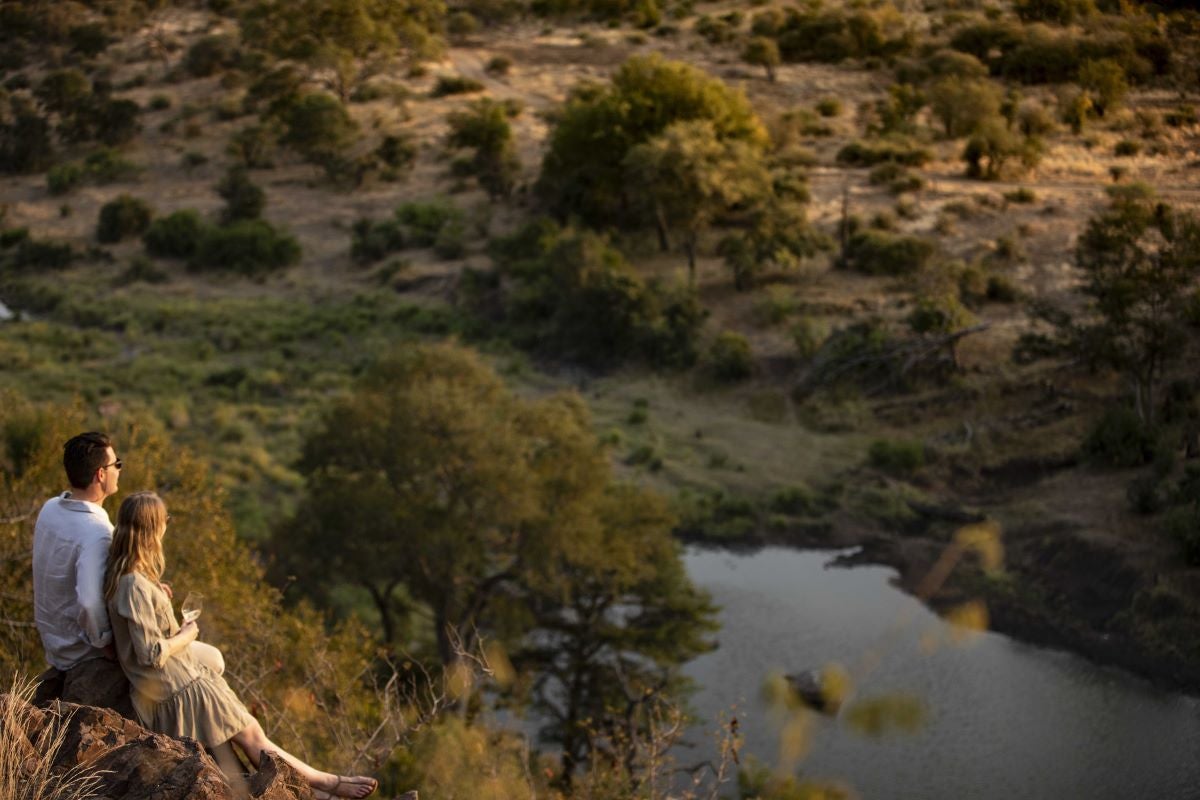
{"points": [[762, 51], [962, 106], [496, 516], [993, 146], [123, 217], [1141, 262], [484, 127], [689, 177], [583, 170], [1105, 82], [346, 40]]}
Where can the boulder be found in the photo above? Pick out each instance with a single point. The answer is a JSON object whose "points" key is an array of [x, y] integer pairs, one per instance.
{"points": [[136, 764]]}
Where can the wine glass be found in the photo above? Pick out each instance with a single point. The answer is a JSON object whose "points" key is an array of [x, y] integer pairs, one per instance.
{"points": [[192, 605]]}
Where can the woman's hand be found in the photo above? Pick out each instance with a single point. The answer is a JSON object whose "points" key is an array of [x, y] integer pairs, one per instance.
{"points": [[186, 635]]}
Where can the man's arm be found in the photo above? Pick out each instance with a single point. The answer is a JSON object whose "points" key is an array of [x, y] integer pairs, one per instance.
{"points": [[89, 591]]}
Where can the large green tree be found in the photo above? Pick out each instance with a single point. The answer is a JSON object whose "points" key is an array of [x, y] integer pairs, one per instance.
{"points": [[583, 171]]}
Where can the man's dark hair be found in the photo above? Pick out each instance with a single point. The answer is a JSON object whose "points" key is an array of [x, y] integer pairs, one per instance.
{"points": [[83, 455]]}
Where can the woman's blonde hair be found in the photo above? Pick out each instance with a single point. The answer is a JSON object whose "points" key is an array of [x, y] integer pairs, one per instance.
{"points": [[137, 540]]}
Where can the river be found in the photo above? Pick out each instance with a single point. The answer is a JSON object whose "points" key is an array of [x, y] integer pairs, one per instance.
{"points": [[1003, 719]]}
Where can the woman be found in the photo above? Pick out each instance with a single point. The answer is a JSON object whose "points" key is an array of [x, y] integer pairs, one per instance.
{"points": [[177, 686]]}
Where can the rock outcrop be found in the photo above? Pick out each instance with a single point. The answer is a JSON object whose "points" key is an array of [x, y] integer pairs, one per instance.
{"points": [[139, 765]]}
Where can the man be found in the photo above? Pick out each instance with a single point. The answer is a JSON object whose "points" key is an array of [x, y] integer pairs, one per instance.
{"points": [[70, 554]]}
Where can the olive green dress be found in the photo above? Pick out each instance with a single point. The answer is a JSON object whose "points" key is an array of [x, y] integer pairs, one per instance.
{"points": [[181, 694]]}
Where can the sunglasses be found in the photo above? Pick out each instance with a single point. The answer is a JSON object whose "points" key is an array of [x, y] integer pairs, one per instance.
{"points": [[116, 464]]}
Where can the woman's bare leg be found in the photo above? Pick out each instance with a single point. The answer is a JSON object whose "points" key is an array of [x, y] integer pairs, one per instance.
{"points": [[253, 741]]}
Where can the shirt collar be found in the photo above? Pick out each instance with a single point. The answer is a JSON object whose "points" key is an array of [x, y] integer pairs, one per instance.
{"points": [[84, 506]]}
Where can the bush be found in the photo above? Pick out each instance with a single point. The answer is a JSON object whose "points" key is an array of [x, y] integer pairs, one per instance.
{"points": [[455, 84], [484, 128], [397, 151], [243, 198], [499, 65], [729, 358], [248, 247], [451, 239], [829, 107], [107, 165], [1060, 12], [424, 221], [1120, 439], [899, 458], [116, 122], [210, 54], [897, 178], [318, 127], [62, 178], [1022, 196], [876, 252], [89, 40], [373, 241], [869, 153], [37, 254], [121, 218], [1182, 524], [142, 270], [25, 142], [175, 235]]}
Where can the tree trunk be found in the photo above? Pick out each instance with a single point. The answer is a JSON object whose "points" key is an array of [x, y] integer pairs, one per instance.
{"points": [[660, 222], [689, 247]]}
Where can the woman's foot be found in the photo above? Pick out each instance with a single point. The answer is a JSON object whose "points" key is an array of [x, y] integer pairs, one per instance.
{"points": [[353, 787]]}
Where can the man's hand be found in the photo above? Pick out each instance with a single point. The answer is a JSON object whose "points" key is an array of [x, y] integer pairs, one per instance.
{"points": [[166, 587]]}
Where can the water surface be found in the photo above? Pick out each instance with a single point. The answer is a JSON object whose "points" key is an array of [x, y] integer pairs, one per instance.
{"points": [[1004, 719]]}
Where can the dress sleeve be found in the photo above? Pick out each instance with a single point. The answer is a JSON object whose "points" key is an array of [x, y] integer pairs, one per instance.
{"points": [[134, 602]]}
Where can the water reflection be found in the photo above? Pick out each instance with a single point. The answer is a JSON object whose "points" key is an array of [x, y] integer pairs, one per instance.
{"points": [[1003, 719]]}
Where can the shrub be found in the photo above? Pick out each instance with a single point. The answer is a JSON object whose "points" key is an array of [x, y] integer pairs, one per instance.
{"points": [[248, 247], [142, 270], [1061, 12], [159, 102], [729, 358], [455, 84], [424, 221], [62, 178], [89, 40], [1105, 82], [116, 122], [318, 127], [896, 457], [868, 153], [897, 178], [1127, 147], [107, 165], [210, 54], [762, 51], [253, 146], [1182, 524], [484, 127], [175, 235], [243, 198], [1120, 439], [372, 241], [121, 218], [499, 65], [829, 107], [36, 254], [64, 91], [25, 141], [877, 252], [461, 23], [963, 105], [993, 147], [1023, 196]]}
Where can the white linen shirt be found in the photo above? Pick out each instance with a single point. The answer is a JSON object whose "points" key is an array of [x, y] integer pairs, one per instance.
{"points": [[70, 554]]}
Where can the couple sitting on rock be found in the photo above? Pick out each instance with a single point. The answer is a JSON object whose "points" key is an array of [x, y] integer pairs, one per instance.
{"points": [[98, 596]]}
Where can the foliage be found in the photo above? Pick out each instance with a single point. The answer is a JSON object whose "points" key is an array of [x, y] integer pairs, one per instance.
{"points": [[121, 218], [1120, 438], [687, 177], [249, 247], [1060, 12], [454, 84], [962, 106], [424, 221], [26, 144], [877, 252], [762, 51], [243, 198], [484, 128], [896, 457], [498, 517], [833, 35], [583, 172], [994, 146], [1140, 263], [867, 153], [729, 358], [1104, 80], [210, 54], [318, 127], [176, 235], [571, 293]]}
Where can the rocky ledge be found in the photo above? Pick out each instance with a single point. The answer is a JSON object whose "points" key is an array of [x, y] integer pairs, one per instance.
{"points": [[132, 763]]}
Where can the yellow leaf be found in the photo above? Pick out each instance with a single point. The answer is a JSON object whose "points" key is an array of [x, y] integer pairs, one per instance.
{"points": [[967, 620], [836, 684], [887, 713], [502, 668], [795, 740]]}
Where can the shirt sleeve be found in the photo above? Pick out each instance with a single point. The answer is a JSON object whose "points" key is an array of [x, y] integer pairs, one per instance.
{"points": [[134, 603], [89, 591]]}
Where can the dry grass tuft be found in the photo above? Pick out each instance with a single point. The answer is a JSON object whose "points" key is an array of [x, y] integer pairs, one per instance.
{"points": [[29, 742]]}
